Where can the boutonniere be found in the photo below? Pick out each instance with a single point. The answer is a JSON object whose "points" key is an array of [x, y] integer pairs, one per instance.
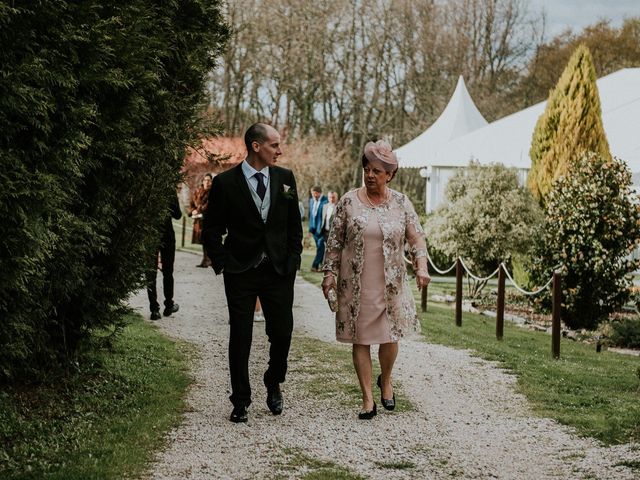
{"points": [[287, 191]]}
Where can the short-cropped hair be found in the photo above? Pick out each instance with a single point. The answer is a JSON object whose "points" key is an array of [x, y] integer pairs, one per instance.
{"points": [[316, 188], [255, 133]]}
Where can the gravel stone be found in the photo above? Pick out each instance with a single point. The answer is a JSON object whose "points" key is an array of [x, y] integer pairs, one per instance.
{"points": [[468, 420]]}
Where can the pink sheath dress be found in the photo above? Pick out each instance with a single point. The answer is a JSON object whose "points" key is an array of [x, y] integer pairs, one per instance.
{"points": [[372, 325]]}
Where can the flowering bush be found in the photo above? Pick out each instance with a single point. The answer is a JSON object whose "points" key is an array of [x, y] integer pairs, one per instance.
{"points": [[592, 225]]}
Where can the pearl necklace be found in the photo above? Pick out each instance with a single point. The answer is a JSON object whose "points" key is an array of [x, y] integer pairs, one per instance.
{"points": [[386, 197]]}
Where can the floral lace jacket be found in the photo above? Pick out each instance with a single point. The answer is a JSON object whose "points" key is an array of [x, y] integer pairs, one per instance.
{"points": [[344, 256]]}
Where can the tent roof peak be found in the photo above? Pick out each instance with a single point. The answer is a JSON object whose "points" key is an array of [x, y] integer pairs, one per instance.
{"points": [[458, 118]]}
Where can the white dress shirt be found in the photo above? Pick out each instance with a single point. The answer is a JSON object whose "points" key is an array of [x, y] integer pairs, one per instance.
{"points": [[327, 218], [261, 204]]}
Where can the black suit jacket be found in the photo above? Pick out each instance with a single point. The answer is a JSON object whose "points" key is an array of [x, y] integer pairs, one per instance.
{"points": [[232, 212], [168, 235]]}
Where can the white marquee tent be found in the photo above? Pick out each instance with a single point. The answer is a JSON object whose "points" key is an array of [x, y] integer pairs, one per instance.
{"points": [[508, 140], [459, 117]]}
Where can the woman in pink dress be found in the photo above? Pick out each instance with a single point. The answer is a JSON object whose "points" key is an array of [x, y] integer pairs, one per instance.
{"points": [[364, 263]]}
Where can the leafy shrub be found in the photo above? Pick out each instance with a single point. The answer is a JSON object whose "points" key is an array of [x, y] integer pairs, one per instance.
{"points": [[439, 258], [626, 333], [592, 225], [519, 266], [634, 297], [488, 218], [98, 100]]}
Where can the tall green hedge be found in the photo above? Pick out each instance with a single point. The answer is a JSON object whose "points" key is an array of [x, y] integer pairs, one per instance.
{"points": [[98, 100]]}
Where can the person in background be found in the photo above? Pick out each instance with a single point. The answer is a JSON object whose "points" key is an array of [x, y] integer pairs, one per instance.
{"points": [[258, 315], [316, 203], [199, 204], [328, 211], [164, 255], [364, 264]]}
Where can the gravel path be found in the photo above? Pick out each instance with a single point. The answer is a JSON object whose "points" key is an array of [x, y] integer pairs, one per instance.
{"points": [[468, 421]]}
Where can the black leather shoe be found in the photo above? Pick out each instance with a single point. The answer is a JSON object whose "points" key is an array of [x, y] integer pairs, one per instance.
{"points": [[239, 414], [368, 415], [169, 310], [387, 404], [274, 399], [155, 315]]}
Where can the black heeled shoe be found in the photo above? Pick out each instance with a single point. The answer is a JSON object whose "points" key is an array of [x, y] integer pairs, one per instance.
{"points": [[387, 404], [368, 415]]}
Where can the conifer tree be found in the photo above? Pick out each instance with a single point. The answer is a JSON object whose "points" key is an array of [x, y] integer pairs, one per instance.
{"points": [[570, 126], [98, 101]]}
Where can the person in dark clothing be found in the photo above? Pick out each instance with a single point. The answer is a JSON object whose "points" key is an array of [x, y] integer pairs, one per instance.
{"points": [[166, 253], [253, 236]]}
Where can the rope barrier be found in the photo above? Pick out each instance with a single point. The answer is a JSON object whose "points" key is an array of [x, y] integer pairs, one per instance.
{"points": [[517, 287], [441, 272], [482, 279], [478, 279]]}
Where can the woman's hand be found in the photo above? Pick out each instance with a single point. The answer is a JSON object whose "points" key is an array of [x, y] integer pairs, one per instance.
{"points": [[422, 278], [328, 283]]}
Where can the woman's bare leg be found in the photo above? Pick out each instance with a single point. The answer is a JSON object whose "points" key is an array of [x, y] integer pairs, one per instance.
{"points": [[362, 361], [387, 355]]}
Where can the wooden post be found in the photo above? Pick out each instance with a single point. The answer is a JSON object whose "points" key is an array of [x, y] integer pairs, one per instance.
{"points": [[458, 292], [184, 228], [555, 316], [500, 308], [423, 298]]}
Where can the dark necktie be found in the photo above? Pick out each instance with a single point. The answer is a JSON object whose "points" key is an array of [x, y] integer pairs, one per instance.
{"points": [[261, 190]]}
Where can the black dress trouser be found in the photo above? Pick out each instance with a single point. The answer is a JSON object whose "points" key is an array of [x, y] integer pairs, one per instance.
{"points": [[167, 257], [276, 297]]}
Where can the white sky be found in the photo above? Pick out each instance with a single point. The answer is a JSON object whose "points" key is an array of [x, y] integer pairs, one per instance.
{"points": [[580, 13]]}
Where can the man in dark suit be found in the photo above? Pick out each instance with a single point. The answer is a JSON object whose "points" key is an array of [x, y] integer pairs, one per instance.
{"points": [[167, 254], [256, 205], [316, 202]]}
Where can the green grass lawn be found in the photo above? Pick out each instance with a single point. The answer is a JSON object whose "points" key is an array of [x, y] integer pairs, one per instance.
{"points": [[597, 393], [297, 461], [104, 422]]}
